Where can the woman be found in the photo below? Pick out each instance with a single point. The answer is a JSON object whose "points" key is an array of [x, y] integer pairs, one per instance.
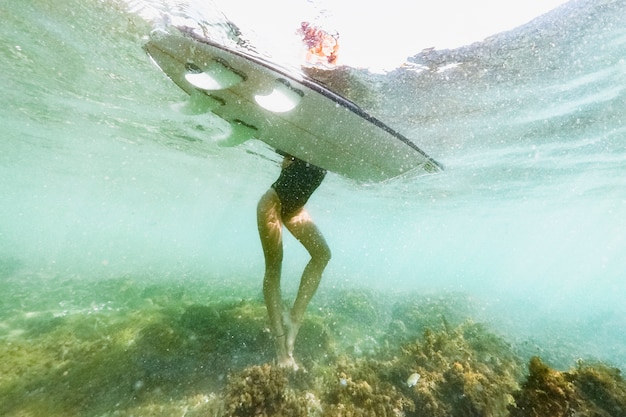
{"points": [[322, 46], [283, 204]]}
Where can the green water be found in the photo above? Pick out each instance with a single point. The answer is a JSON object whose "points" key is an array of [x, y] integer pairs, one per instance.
{"points": [[130, 266]]}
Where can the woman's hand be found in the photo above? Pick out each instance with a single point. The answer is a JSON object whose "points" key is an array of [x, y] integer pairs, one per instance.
{"points": [[288, 160]]}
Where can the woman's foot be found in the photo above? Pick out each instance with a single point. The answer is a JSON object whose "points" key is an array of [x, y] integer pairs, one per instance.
{"points": [[291, 332], [284, 358], [288, 363]]}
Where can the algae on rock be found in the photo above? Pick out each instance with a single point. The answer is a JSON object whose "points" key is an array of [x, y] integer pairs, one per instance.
{"points": [[587, 391]]}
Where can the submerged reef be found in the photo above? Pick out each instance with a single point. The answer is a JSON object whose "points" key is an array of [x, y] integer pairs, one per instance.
{"points": [[590, 390], [463, 371], [119, 348], [262, 391]]}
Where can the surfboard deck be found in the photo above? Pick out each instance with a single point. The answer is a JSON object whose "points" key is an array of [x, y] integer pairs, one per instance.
{"points": [[286, 109]]}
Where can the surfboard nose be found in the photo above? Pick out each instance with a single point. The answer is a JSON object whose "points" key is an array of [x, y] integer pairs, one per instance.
{"points": [[158, 34]]}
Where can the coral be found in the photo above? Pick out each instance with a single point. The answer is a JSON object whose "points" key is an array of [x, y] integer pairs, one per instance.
{"points": [[120, 349], [588, 391], [546, 392], [262, 391], [465, 371], [603, 388], [360, 396]]}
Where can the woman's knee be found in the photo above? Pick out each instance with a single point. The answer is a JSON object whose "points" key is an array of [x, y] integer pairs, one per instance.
{"points": [[323, 254]]}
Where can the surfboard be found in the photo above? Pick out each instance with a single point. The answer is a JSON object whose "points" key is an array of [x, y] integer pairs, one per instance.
{"points": [[285, 109]]}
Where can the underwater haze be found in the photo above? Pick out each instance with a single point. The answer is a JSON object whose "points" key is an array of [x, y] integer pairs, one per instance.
{"points": [[109, 181]]}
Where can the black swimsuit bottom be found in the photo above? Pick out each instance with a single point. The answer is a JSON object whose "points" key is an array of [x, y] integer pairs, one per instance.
{"points": [[295, 185]]}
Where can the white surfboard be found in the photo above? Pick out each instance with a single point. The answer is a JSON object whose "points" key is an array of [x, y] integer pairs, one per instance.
{"points": [[286, 109]]}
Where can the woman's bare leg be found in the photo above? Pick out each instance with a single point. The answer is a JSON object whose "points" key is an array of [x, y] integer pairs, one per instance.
{"points": [[270, 230], [302, 228]]}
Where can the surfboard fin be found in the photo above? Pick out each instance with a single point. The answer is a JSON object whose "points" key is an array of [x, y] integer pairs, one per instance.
{"points": [[281, 99], [216, 75], [200, 103], [240, 132]]}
